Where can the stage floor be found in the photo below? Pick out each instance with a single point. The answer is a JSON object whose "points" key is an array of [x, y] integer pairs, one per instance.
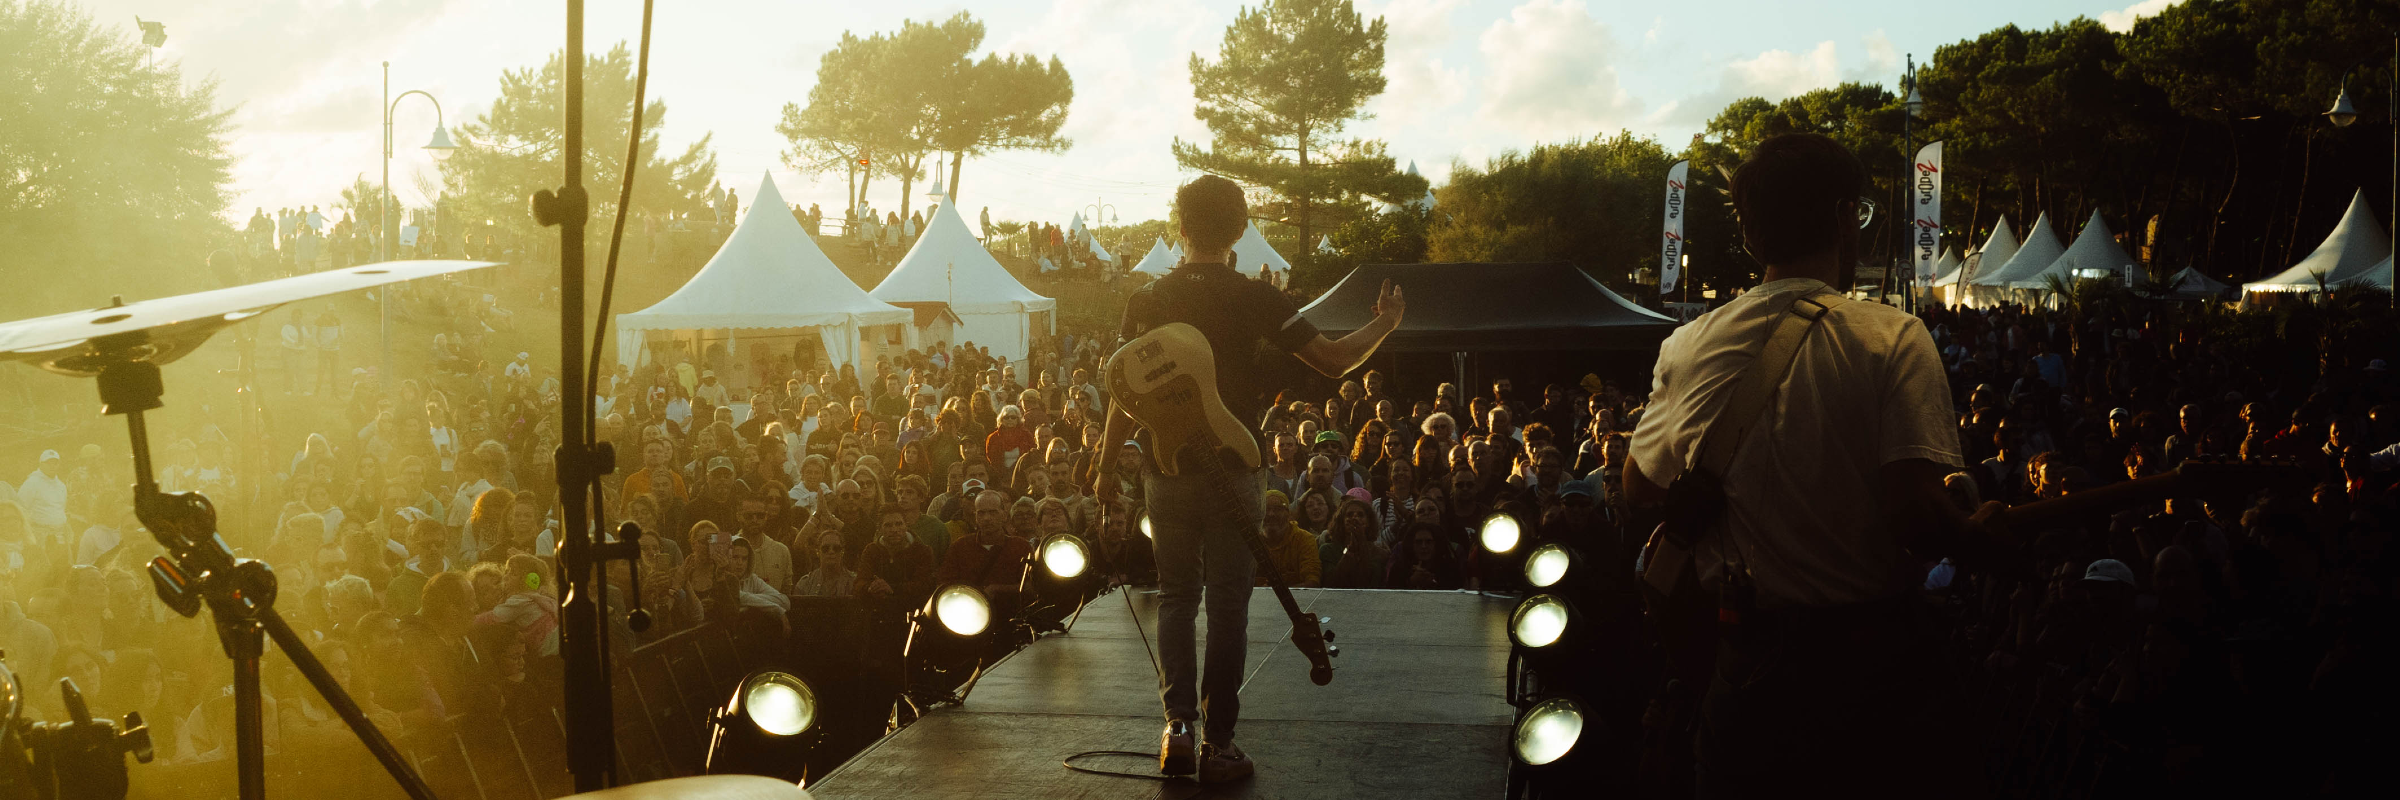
{"points": [[1415, 710]]}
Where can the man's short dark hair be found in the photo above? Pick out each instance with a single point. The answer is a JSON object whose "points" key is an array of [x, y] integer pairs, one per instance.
{"points": [[1789, 195], [1213, 212]]}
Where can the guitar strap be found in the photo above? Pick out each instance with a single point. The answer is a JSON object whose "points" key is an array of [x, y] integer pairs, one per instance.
{"points": [[1670, 559]]}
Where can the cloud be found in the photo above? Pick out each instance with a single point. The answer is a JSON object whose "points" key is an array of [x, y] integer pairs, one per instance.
{"points": [[1418, 83], [2122, 21], [1550, 72], [1779, 74]]}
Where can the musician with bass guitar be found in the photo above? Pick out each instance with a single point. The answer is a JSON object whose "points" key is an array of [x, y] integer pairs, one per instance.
{"points": [[1798, 442], [1203, 515]]}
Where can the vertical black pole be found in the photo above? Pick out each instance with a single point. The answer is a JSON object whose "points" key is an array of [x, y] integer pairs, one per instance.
{"points": [[2392, 112], [589, 719]]}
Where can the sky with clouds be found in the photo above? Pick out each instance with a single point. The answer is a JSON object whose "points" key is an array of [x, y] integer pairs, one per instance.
{"points": [[1468, 78]]}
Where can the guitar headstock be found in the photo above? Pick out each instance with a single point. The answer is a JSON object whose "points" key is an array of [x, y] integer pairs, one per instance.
{"points": [[1314, 640]]}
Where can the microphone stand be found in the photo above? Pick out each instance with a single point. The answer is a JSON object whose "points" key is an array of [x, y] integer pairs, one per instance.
{"points": [[201, 570], [589, 712]]}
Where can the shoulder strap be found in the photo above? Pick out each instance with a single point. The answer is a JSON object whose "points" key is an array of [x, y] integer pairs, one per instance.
{"points": [[1758, 383]]}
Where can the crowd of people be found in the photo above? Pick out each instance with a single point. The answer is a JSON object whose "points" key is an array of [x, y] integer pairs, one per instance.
{"points": [[414, 533]]}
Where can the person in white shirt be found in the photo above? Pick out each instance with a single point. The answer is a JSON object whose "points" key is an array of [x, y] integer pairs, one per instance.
{"points": [[43, 497], [1835, 492], [520, 368], [710, 390]]}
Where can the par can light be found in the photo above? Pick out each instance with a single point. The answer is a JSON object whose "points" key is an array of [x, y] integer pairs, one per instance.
{"points": [[1548, 565], [1144, 524], [1500, 534], [1540, 621], [962, 609], [1549, 731], [1065, 556], [760, 731]]}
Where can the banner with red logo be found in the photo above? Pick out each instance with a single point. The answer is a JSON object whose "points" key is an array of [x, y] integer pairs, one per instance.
{"points": [[1670, 260], [1925, 193]]}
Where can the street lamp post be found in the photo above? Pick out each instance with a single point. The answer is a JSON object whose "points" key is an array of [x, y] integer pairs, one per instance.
{"points": [[2343, 113], [441, 148]]}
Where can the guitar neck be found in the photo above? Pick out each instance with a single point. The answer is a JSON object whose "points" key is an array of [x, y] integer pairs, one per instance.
{"points": [[2090, 502], [1231, 507]]}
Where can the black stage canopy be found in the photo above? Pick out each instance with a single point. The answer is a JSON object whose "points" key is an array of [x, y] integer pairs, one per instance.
{"points": [[1471, 308]]}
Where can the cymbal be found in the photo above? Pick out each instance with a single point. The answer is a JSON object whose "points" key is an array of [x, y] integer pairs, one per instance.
{"points": [[161, 330]]}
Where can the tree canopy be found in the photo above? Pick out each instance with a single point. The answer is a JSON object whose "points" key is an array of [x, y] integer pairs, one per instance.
{"points": [[112, 171], [1290, 75], [883, 103]]}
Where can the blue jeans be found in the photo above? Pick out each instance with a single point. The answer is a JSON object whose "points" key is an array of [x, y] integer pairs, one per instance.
{"points": [[1198, 546]]}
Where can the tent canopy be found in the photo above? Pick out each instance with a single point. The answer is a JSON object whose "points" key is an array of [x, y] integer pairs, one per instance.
{"points": [[2194, 284], [1948, 269], [947, 265], [2356, 246], [1996, 251], [769, 274], [2095, 253], [2032, 256], [1157, 261], [1253, 250], [1485, 307]]}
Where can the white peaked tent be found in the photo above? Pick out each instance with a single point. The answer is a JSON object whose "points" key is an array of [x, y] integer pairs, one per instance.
{"points": [[2033, 255], [1175, 250], [948, 271], [1946, 271], [2192, 284], [2378, 276], [1427, 202], [1101, 253], [1996, 251], [768, 275], [1076, 229], [1325, 244], [2357, 245], [1157, 261], [2095, 254], [1253, 250]]}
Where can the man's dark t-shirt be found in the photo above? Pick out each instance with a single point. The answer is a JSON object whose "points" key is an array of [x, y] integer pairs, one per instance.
{"points": [[1237, 315]]}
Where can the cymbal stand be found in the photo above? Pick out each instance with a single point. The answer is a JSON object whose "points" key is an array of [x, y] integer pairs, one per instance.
{"points": [[201, 570]]}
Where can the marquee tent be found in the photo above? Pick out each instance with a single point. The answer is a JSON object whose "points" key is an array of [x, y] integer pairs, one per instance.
{"points": [[768, 275], [1947, 272], [1485, 307], [948, 276], [2033, 255], [2357, 245], [1325, 244], [2192, 284], [2095, 254], [1253, 250], [1157, 261]]}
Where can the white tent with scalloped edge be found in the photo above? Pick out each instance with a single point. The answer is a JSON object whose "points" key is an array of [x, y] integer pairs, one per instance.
{"points": [[1158, 261], [768, 276], [2034, 254], [947, 278], [2095, 254], [1253, 251], [2357, 245]]}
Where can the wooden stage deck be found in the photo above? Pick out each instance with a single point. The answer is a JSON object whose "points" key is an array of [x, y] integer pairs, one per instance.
{"points": [[1415, 710]]}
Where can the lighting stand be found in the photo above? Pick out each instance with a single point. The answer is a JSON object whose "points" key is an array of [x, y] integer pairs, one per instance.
{"points": [[201, 570]]}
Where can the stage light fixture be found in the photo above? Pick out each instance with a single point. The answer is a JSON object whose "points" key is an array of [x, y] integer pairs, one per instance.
{"points": [[961, 609], [767, 728], [1549, 565], [1500, 534], [1065, 556], [1549, 731], [947, 638], [1542, 621], [1056, 581], [1144, 524]]}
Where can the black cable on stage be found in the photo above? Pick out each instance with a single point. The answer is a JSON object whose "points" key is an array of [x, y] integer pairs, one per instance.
{"points": [[1069, 761]]}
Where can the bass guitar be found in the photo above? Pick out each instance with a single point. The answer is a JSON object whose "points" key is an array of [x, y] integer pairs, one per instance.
{"points": [[1166, 380]]}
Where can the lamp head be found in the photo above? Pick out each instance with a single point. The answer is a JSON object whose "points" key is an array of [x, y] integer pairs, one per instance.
{"points": [[440, 146], [2343, 112]]}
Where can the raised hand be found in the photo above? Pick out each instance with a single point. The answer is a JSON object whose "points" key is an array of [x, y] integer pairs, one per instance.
{"points": [[1389, 301]]}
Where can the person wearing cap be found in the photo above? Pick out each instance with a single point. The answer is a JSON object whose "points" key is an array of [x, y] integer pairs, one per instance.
{"points": [[710, 390], [1345, 475], [43, 496], [520, 368], [1201, 554], [719, 496]]}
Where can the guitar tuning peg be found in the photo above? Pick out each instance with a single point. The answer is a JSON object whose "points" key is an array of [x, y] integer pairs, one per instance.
{"points": [[1334, 651], [1324, 621], [1329, 636]]}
